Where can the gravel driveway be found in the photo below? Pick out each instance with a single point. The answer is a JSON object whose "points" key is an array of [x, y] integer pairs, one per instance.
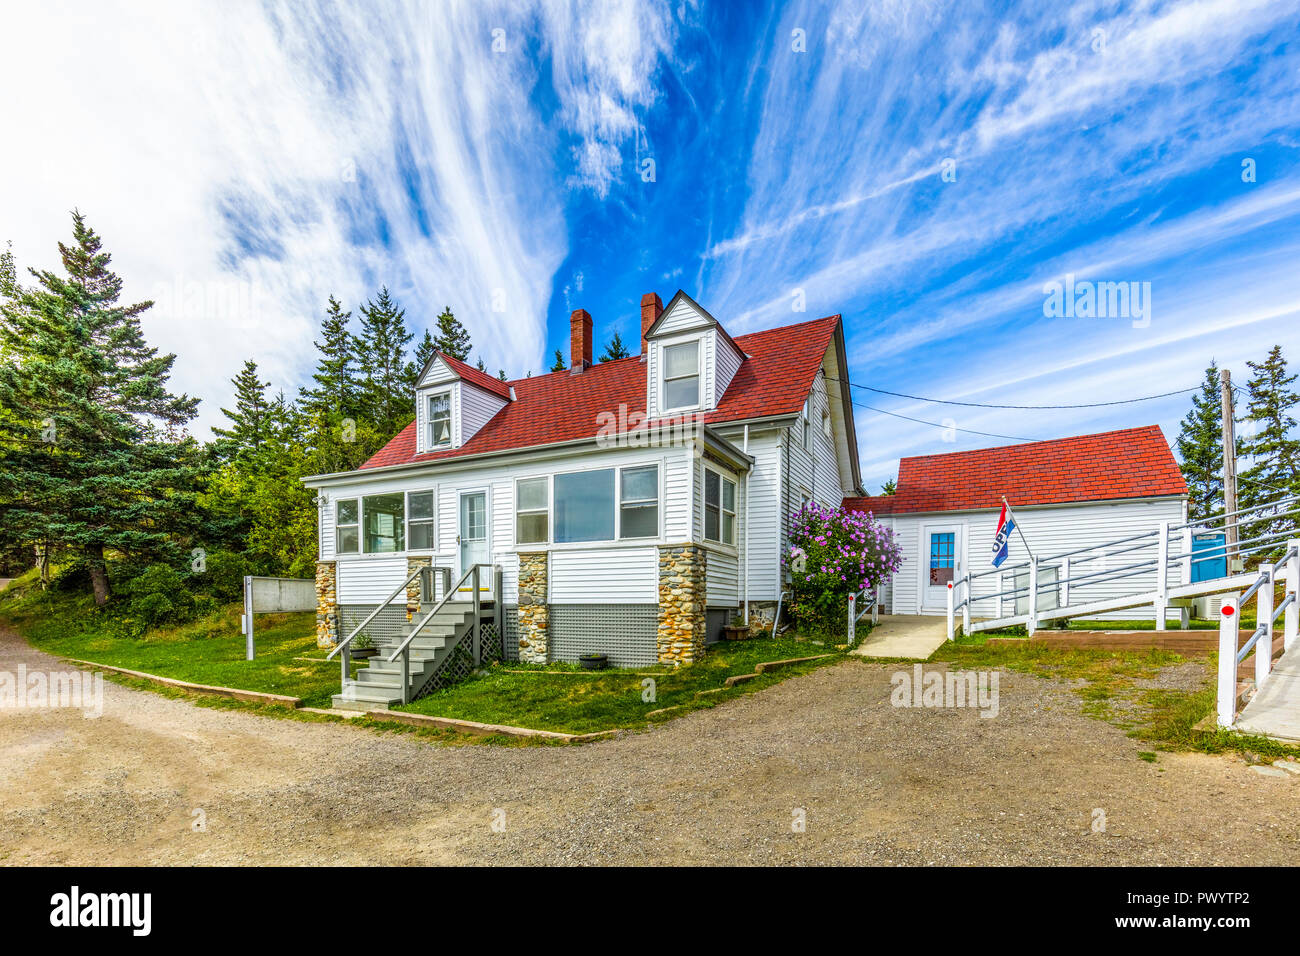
{"points": [[878, 784]]}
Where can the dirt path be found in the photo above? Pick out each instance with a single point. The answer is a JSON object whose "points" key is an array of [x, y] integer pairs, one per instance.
{"points": [[879, 785]]}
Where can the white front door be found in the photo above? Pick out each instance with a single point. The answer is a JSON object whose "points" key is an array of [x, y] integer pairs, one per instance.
{"points": [[473, 536], [940, 560]]}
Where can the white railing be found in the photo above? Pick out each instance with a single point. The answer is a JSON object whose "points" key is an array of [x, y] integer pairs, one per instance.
{"points": [[1053, 587], [1263, 589], [855, 615]]}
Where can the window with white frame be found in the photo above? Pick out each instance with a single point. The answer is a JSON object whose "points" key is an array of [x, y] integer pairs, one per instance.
{"points": [[382, 524], [584, 506], [681, 375], [719, 508], [419, 520], [826, 424], [346, 526], [440, 419], [638, 502], [532, 511], [804, 431]]}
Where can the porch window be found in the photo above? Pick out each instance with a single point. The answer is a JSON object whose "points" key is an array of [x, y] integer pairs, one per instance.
{"points": [[419, 520], [584, 506], [532, 516], [345, 526], [639, 502], [719, 508], [440, 419], [942, 557], [382, 518], [681, 375]]}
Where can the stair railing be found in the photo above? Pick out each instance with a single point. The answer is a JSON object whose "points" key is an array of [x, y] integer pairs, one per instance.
{"points": [[1261, 641], [343, 646], [404, 649]]}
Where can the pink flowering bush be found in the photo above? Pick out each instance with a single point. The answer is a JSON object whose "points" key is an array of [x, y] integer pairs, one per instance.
{"points": [[843, 552]]}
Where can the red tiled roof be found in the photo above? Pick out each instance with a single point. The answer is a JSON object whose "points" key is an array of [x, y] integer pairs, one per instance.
{"points": [[774, 379], [472, 375], [1131, 463]]}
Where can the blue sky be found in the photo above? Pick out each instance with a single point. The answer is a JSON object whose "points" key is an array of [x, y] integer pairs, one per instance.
{"points": [[243, 161]]}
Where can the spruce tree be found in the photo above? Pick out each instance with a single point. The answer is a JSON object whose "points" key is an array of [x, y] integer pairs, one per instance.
{"points": [[93, 457], [386, 373], [424, 352], [1200, 449], [334, 396], [253, 418], [452, 338], [615, 349], [559, 365], [1273, 449]]}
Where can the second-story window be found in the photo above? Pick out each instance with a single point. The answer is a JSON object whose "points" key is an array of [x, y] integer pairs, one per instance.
{"points": [[681, 375], [440, 419]]}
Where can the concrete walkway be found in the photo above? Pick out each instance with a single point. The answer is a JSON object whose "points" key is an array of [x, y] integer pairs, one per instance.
{"points": [[912, 636], [1275, 710]]}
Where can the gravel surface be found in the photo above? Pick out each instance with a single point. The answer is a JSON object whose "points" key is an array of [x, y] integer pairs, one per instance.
{"points": [[878, 784]]}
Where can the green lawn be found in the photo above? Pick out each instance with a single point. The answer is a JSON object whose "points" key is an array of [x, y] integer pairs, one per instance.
{"points": [[560, 697], [207, 651]]}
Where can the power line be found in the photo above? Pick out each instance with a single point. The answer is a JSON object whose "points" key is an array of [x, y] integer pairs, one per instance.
{"points": [[921, 421], [942, 401]]}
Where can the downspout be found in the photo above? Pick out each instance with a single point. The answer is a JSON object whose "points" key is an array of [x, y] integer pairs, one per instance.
{"points": [[748, 474]]}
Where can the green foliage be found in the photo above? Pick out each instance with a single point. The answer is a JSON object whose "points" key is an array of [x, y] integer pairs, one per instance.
{"points": [[158, 596], [1200, 448], [223, 575], [452, 338], [559, 365], [614, 350], [890, 487], [387, 377], [252, 419]]}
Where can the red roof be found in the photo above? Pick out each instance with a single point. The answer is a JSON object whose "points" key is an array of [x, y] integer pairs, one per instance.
{"points": [[472, 375], [774, 379], [1131, 463]]}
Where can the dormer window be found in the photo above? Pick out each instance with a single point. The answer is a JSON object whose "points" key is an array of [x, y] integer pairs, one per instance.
{"points": [[681, 375], [440, 420]]}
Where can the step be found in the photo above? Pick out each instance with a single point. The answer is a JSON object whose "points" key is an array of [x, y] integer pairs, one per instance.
{"points": [[354, 698], [372, 680]]}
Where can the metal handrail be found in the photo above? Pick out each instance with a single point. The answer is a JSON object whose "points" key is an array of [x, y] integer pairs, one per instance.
{"points": [[473, 571], [1249, 645], [1208, 522], [1104, 544], [373, 614]]}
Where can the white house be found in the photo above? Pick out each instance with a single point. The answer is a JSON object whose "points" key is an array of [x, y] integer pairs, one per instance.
{"points": [[1067, 495], [632, 506]]}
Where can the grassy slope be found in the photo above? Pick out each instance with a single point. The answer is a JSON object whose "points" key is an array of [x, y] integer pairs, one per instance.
{"points": [[559, 697]]}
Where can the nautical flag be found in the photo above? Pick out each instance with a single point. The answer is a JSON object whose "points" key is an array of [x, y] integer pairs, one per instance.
{"points": [[1006, 524]]}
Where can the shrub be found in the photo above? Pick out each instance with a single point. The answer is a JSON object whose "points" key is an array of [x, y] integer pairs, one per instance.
{"points": [[223, 576], [158, 596], [73, 578], [842, 552]]}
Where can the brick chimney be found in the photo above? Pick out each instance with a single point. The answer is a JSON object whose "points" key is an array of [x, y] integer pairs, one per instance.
{"points": [[651, 308], [579, 340]]}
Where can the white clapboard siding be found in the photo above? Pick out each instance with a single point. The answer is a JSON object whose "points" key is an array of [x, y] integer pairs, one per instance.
{"points": [[477, 407], [1049, 531], [828, 485], [369, 580], [764, 516], [723, 584], [605, 576], [682, 317], [726, 363]]}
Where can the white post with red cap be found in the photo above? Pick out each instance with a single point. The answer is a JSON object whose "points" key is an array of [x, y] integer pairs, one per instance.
{"points": [[950, 611], [1229, 627]]}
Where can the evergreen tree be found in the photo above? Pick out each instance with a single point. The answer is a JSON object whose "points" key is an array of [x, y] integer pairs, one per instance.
{"points": [[92, 457], [1200, 449], [615, 350], [335, 393], [253, 417], [386, 373], [890, 487], [452, 338], [424, 352], [559, 365], [501, 374], [481, 366], [1273, 449]]}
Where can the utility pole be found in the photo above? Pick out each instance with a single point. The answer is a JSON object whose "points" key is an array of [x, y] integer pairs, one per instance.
{"points": [[1229, 469]]}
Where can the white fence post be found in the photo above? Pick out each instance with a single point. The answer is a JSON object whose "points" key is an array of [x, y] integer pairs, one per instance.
{"points": [[965, 608], [1065, 582], [1228, 627], [1162, 576], [853, 618], [1031, 622], [248, 618], [1291, 622], [1264, 618], [950, 613]]}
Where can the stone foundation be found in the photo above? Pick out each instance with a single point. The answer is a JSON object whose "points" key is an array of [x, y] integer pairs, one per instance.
{"points": [[534, 612], [682, 596], [327, 604], [761, 614], [413, 588]]}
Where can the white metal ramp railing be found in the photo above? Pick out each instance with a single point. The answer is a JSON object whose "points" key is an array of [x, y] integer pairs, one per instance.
{"points": [[1082, 582], [1263, 590]]}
